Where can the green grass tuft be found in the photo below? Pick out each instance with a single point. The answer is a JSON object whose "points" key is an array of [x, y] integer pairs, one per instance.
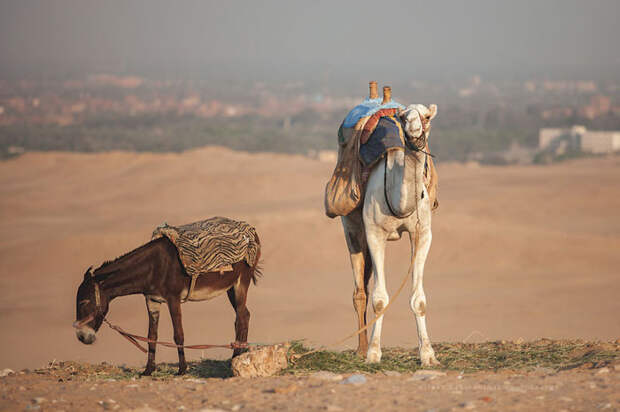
{"points": [[467, 357]]}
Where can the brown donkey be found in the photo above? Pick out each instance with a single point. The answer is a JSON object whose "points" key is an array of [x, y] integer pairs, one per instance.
{"points": [[155, 271]]}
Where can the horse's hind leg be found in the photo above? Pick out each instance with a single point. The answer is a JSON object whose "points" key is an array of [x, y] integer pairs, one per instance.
{"points": [[362, 268], [238, 295], [153, 309], [174, 306]]}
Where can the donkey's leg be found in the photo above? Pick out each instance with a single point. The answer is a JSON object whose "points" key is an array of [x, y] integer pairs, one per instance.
{"points": [[174, 305], [376, 239], [420, 245], [238, 296], [362, 265], [153, 309]]}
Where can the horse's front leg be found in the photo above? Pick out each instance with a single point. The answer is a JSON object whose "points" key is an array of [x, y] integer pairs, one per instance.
{"points": [[174, 305], [377, 239], [153, 309], [420, 245]]}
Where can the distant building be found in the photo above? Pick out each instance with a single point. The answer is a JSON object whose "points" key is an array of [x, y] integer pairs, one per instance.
{"points": [[600, 142], [564, 138], [559, 140], [548, 135]]}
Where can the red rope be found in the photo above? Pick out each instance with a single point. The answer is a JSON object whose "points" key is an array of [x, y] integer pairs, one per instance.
{"points": [[135, 338]]}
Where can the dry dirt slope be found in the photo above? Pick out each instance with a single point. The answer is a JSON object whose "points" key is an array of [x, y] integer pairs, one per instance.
{"points": [[542, 375], [517, 252]]}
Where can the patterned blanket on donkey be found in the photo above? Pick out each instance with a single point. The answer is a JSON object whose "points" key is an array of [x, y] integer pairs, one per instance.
{"points": [[387, 135], [212, 244]]}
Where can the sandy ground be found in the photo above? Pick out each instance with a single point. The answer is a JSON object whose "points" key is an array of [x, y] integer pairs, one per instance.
{"points": [[518, 252], [581, 390]]}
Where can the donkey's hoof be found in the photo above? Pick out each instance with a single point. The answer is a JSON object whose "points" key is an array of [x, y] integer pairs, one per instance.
{"points": [[238, 352], [148, 371]]}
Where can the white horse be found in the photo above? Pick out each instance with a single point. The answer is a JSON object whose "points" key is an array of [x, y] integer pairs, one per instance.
{"points": [[396, 201]]}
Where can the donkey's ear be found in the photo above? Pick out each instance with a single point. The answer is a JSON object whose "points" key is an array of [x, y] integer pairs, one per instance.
{"points": [[433, 110], [88, 273]]}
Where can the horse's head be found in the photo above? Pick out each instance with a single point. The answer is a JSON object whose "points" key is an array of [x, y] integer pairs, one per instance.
{"points": [[417, 118], [91, 308]]}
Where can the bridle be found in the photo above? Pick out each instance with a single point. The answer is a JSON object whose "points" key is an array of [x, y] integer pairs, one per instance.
{"points": [[97, 292], [78, 324]]}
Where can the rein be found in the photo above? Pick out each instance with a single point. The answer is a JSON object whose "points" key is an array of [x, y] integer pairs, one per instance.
{"points": [[135, 338], [83, 322], [378, 315], [387, 200]]}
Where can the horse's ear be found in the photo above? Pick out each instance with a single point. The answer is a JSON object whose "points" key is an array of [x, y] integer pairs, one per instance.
{"points": [[88, 273], [433, 110]]}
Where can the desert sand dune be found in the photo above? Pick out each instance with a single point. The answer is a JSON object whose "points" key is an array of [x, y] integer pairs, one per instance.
{"points": [[517, 251]]}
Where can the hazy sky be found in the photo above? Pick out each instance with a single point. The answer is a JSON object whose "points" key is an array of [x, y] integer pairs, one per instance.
{"points": [[253, 37]]}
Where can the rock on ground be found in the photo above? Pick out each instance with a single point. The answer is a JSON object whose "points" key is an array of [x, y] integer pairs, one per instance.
{"points": [[261, 361], [357, 379]]}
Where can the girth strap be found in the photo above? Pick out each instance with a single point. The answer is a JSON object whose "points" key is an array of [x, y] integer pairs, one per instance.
{"points": [[192, 283]]}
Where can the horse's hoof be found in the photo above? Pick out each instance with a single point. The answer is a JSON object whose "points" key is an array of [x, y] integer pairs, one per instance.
{"points": [[147, 372]]}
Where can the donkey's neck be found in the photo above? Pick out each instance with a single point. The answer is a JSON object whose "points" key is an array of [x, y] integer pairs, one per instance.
{"points": [[128, 274]]}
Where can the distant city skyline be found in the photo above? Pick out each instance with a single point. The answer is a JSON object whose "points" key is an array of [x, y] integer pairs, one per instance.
{"points": [[318, 41]]}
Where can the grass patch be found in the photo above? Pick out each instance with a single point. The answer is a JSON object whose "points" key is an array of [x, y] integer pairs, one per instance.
{"points": [[468, 357]]}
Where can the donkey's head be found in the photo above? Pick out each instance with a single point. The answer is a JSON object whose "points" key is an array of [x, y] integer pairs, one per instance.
{"points": [[417, 118], [91, 308]]}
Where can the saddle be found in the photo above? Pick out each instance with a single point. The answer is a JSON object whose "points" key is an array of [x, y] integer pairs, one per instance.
{"points": [[211, 245], [360, 148]]}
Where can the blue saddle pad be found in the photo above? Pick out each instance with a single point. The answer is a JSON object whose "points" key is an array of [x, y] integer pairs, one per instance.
{"points": [[367, 108]]}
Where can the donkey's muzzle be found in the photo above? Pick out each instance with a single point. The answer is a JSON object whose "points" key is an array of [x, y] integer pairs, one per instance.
{"points": [[86, 335]]}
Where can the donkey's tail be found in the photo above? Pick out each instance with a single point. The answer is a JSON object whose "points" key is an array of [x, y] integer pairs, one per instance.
{"points": [[256, 271]]}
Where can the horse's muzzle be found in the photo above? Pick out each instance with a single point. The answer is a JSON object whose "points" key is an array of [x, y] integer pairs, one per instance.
{"points": [[86, 335]]}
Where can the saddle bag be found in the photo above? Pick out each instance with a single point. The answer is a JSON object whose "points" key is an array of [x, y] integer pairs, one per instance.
{"points": [[343, 192]]}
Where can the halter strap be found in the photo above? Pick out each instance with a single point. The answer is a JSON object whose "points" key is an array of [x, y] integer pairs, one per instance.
{"points": [[97, 291]]}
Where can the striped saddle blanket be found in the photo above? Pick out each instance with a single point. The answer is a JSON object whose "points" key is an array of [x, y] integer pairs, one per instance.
{"points": [[212, 245]]}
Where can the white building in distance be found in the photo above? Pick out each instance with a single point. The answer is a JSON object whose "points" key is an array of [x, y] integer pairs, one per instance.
{"points": [[578, 137]]}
